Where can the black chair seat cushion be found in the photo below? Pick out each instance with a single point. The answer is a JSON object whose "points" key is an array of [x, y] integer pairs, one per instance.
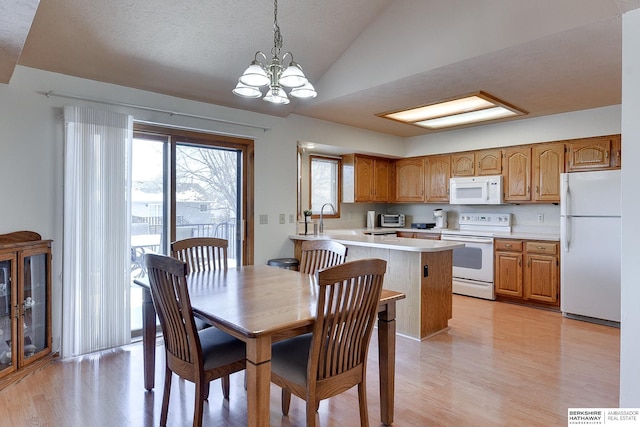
{"points": [[200, 324], [289, 358], [220, 348]]}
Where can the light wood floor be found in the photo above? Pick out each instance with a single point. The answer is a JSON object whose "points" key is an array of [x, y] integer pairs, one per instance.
{"points": [[498, 365]]}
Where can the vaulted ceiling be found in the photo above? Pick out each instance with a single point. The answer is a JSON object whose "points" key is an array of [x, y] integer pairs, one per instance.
{"points": [[364, 56]]}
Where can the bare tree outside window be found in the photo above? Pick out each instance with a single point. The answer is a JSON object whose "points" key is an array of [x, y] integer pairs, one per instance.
{"points": [[325, 183]]}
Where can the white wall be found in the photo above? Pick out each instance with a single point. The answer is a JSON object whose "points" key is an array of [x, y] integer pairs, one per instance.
{"points": [[630, 329]]}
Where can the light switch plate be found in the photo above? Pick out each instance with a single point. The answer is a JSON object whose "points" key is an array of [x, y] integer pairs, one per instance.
{"points": [[264, 219], [291, 219], [282, 218]]}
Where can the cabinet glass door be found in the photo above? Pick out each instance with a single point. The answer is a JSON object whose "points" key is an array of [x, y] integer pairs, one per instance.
{"points": [[6, 315], [34, 305]]}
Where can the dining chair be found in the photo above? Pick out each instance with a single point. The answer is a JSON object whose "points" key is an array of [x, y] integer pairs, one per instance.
{"points": [[201, 253], [197, 356], [319, 254], [333, 358]]}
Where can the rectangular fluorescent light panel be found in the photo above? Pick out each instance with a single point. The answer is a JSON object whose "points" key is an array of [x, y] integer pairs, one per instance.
{"points": [[474, 108]]}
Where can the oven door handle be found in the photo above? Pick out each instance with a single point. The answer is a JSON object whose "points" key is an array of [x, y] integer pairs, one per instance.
{"points": [[468, 239]]}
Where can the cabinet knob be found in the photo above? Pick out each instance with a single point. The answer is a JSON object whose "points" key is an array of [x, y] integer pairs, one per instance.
{"points": [[508, 245], [540, 247]]}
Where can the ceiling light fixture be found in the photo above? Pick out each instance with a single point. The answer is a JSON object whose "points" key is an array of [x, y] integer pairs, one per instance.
{"points": [[258, 74], [464, 110]]}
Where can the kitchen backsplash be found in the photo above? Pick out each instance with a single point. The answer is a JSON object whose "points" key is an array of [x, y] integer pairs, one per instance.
{"points": [[524, 217]]}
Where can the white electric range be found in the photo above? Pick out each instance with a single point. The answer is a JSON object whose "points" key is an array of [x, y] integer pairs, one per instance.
{"points": [[473, 264]]}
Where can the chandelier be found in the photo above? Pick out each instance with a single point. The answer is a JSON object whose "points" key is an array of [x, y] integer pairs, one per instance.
{"points": [[259, 74]]}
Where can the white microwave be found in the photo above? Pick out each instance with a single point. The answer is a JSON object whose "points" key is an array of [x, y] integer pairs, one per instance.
{"points": [[476, 190]]}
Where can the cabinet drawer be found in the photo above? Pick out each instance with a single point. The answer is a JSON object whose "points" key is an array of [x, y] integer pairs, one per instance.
{"points": [[508, 245], [542, 248]]}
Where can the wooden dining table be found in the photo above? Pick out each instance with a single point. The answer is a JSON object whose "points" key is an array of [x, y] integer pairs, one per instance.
{"points": [[260, 305]]}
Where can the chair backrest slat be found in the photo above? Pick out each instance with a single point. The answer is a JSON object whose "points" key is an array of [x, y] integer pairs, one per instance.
{"points": [[167, 280], [201, 253], [319, 254], [346, 313]]}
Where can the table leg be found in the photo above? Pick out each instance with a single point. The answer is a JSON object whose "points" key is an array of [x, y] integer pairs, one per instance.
{"points": [[387, 360], [148, 339], [258, 381]]}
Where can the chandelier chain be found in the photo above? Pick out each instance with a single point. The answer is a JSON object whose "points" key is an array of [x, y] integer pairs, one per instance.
{"points": [[277, 36]]}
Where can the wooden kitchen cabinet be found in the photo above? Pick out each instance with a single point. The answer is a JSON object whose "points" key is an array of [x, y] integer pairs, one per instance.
{"points": [[410, 179], [489, 162], [437, 174], [508, 268], [517, 174], [382, 173], [548, 164], [542, 270], [527, 272], [25, 304], [599, 153], [366, 179], [477, 163], [463, 164]]}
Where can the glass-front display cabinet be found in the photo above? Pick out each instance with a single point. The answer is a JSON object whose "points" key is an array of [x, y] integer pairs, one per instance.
{"points": [[25, 300]]}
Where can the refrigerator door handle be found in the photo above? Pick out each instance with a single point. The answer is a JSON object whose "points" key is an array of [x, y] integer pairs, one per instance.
{"points": [[564, 196], [566, 234]]}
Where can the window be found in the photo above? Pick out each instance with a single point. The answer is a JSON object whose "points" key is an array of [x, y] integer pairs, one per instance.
{"points": [[188, 184], [324, 179]]}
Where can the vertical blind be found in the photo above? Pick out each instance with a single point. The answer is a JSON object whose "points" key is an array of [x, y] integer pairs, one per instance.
{"points": [[96, 258]]}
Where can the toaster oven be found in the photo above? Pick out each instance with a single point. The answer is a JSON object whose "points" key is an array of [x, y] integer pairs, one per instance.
{"points": [[392, 220]]}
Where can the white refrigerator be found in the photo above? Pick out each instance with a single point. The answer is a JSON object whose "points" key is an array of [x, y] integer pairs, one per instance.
{"points": [[590, 246]]}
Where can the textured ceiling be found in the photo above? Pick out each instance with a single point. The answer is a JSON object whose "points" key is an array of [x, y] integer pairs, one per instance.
{"points": [[363, 56]]}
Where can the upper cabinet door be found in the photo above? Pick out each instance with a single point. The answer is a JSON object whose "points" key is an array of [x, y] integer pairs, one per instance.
{"points": [[489, 162], [517, 186], [438, 172], [463, 164], [410, 180], [382, 180], [363, 179], [548, 164], [593, 153]]}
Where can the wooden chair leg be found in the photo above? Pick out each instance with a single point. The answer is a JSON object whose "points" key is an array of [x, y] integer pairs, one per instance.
{"points": [[225, 386], [165, 396], [362, 399], [199, 404], [311, 414], [286, 402]]}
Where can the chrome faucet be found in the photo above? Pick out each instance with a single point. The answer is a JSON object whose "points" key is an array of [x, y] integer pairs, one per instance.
{"points": [[321, 213]]}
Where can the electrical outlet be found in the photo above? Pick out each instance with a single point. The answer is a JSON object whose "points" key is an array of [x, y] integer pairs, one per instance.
{"points": [[292, 218], [282, 218], [264, 219], [540, 218]]}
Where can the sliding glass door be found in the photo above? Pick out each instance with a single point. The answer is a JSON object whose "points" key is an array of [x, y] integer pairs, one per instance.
{"points": [[188, 184]]}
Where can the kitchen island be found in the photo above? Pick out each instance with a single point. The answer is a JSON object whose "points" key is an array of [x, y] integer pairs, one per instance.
{"points": [[421, 269]]}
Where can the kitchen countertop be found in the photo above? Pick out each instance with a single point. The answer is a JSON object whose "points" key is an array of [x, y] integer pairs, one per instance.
{"points": [[356, 238], [525, 234]]}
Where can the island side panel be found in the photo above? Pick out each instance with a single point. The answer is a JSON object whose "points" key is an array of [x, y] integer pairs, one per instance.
{"points": [[436, 292], [403, 275]]}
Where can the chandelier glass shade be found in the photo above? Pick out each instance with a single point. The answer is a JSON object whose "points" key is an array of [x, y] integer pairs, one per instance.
{"points": [[274, 75]]}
